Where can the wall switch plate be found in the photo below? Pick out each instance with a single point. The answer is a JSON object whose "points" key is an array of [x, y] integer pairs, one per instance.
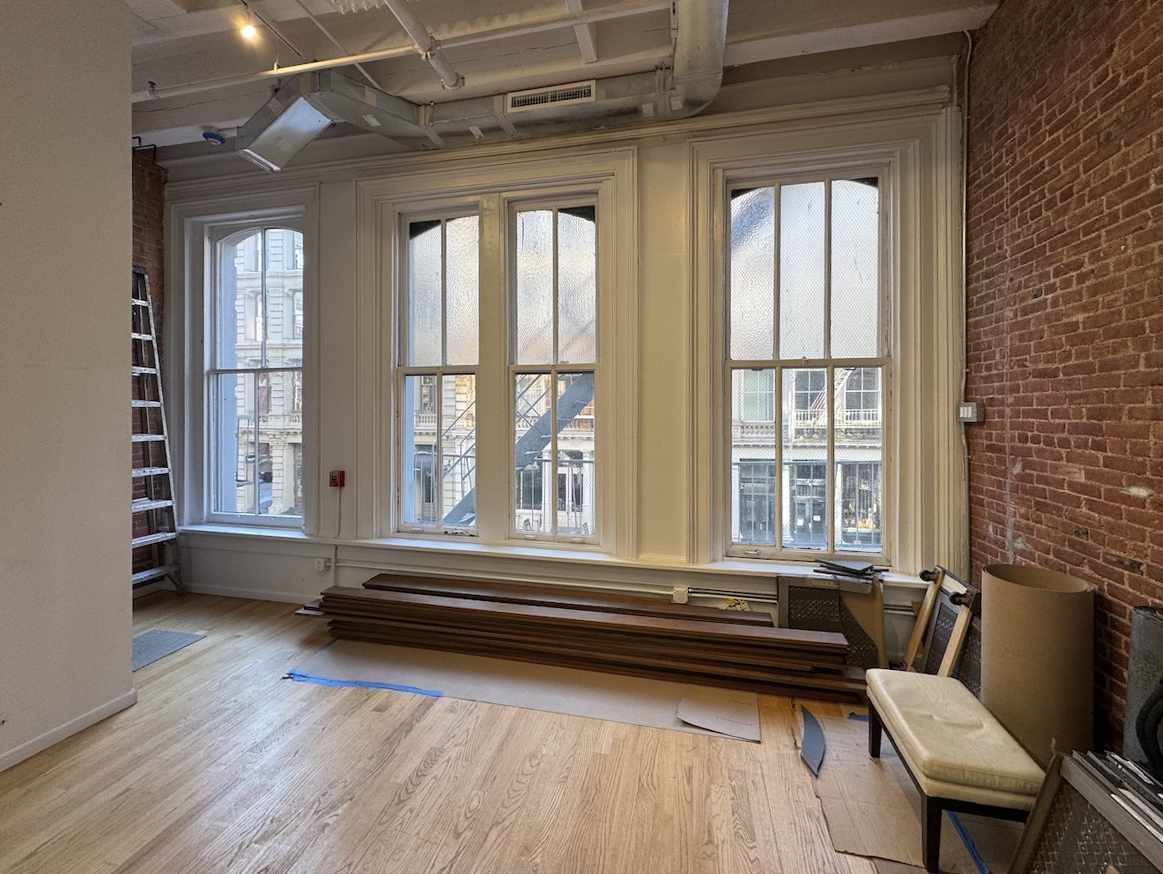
{"points": [[337, 479], [971, 412], [322, 565]]}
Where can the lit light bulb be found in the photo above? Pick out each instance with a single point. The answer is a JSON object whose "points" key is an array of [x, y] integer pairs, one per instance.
{"points": [[248, 32]]}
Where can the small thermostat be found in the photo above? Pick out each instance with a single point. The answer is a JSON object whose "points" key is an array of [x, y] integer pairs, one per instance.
{"points": [[971, 412]]}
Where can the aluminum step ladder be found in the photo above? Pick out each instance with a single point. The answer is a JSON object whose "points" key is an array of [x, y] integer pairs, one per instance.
{"points": [[154, 536]]}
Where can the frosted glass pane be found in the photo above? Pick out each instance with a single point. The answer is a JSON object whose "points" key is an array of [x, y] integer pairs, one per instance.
{"points": [[532, 453], [859, 442], [458, 444], [534, 340], [753, 275], [801, 271], [753, 470], [280, 440], [418, 473], [461, 294], [234, 458], [805, 458], [240, 302], [576, 482], [577, 285], [283, 314], [855, 268], [424, 308]]}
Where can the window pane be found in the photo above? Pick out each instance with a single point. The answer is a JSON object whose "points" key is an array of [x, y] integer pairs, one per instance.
{"points": [[458, 445], [419, 451], [424, 314], [463, 243], [534, 305], [234, 449], [859, 436], [284, 292], [801, 271], [805, 458], [753, 274], [532, 453], [280, 435], [753, 478], [575, 455], [577, 271], [240, 302], [855, 268]]}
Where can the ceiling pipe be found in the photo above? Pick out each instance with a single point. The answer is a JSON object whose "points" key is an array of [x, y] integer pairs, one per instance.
{"points": [[426, 44], [591, 16], [700, 45]]}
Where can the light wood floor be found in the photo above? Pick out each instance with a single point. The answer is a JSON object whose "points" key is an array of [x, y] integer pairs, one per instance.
{"points": [[223, 766]]}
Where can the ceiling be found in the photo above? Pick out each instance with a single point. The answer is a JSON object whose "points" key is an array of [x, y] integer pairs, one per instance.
{"points": [[183, 41]]}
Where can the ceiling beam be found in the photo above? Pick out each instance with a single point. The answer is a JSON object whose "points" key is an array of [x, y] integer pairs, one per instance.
{"points": [[854, 36], [586, 35]]}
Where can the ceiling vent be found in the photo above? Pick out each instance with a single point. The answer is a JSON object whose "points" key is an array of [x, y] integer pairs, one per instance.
{"points": [[556, 95]]}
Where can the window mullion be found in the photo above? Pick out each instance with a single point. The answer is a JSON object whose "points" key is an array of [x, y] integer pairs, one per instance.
{"points": [[438, 452], [257, 450], [779, 495], [553, 448]]}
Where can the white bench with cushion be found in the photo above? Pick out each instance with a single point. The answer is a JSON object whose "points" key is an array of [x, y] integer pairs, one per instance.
{"points": [[957, 753]]}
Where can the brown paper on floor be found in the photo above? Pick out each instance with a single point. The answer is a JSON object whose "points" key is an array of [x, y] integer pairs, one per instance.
{"points": [[873, 809], [635, 700], [734, 714]]}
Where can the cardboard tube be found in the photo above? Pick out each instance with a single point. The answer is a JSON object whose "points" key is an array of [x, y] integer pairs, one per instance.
{"points": [[1037, 665]]}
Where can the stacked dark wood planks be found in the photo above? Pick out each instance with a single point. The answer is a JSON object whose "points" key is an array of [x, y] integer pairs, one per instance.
{"points": [[618, 633]]}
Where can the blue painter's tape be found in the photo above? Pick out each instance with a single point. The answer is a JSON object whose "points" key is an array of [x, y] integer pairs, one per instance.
{"points": [[858, 717], [963, 833], [300, 677]]}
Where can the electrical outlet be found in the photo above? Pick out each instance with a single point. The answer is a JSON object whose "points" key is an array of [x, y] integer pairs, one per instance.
{"points": [[322, 565], [680, 595], [337, 479]]}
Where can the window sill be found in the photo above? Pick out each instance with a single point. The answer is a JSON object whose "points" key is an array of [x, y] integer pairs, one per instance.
{"points": [[740, 567]]}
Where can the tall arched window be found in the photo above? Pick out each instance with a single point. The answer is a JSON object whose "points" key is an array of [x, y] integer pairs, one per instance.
{"points": [[255, 379]]}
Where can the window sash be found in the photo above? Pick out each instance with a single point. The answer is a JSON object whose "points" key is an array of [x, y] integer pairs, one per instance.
{"points": [[553, 370], [212, 462], [882, 361], [440, 372]]}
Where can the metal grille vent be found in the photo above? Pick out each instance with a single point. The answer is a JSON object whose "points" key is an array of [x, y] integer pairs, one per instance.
{"points": [[558, 95]]}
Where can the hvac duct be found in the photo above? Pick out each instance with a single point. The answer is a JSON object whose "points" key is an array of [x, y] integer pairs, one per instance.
{"points": [[304, 106]]}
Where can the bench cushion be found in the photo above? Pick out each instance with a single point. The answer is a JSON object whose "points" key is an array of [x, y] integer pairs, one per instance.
{"points": [[950, 739]]}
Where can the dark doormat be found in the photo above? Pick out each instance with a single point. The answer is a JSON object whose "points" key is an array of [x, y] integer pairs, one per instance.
{"points": [[149, 646]]}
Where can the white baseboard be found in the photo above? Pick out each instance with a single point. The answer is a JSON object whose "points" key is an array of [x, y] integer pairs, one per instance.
{"points": [[56, 735], [282, 596]]}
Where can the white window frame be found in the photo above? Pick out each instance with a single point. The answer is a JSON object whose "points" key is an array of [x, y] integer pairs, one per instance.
{"points": [[607, 176], [404, 370], [827, 363], [216, 236], [553, 371]]}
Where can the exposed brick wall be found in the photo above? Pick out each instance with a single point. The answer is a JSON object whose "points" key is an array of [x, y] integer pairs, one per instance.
{"points": [[1065, 304], [149, 181]]}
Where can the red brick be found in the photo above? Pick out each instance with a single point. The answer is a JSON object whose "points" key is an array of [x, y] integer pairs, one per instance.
{"points": [[1065, 336]]}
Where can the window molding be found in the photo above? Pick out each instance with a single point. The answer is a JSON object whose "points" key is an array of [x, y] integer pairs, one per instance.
{"points": [[915, 156], [608, 175], [193, 230]]}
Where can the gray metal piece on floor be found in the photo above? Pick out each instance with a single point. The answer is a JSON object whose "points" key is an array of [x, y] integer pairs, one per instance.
{"points": [[149, 646], [812, 747]]}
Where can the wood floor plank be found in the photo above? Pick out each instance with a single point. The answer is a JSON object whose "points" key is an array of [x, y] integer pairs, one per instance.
{"points": [[223, 766]]}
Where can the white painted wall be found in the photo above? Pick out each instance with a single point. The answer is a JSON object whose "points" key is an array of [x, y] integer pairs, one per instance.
{"points": [[65, 620]]}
